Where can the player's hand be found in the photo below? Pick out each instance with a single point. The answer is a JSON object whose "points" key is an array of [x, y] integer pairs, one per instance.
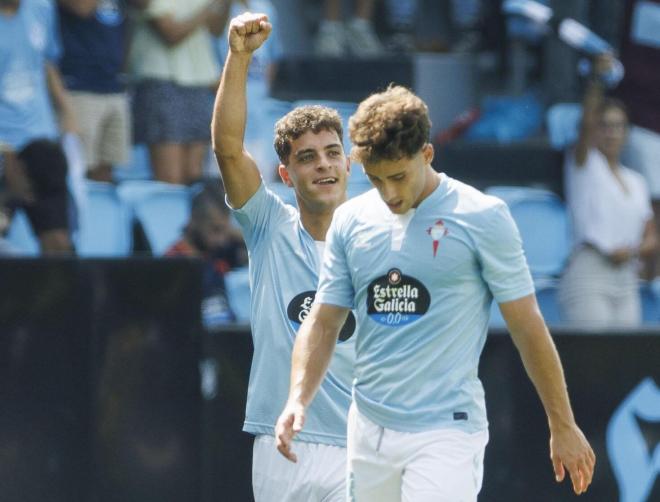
{"points": [[289, 424], [621, 256], [603, 63], [570, 450], [248, 32]]}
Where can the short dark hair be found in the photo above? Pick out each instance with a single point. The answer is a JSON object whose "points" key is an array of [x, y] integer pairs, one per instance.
{"points": [[389, 125], [315, 118]]}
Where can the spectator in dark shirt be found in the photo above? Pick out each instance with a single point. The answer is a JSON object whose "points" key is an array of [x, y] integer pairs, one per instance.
{"points": [[94, 40], [210, 236]]}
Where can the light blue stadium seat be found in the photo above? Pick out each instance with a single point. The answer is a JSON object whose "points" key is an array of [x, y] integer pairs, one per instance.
{"points": [[163, 210], [563, 123], [546, 296], [137, 168], [105, 224], [511, 193], [21, 236], [544, 225], [650, 295], [496, 319], [237, 282]]}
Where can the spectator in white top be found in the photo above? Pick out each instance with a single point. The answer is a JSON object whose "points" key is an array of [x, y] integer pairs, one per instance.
{"points": [[612, 217], [172, 59]]}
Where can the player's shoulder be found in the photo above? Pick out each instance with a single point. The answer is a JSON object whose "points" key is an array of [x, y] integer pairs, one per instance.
{"points": [[470, 200], [358, 205]]}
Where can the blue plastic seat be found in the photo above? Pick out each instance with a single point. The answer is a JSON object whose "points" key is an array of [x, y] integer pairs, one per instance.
{"points": [[649, 292], [237, 282], [563, 123], [137, 168], [20, 235], [544, 227], [161, 208], [546, 296], [105, 225]]}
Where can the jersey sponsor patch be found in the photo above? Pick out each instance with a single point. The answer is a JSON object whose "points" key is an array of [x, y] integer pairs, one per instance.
{"points": [[396, 299], [300, 306]]}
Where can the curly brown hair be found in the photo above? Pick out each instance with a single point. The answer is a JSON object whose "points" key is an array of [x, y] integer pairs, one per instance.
{"points": [[389, 125], [315, 118]]}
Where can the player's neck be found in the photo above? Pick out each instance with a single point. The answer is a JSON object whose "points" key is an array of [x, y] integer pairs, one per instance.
{"points": [[316, 223]]}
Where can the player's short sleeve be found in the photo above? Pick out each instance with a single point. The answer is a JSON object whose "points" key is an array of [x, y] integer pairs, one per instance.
{"points": [[260, 215], [500, 251], [335, 284]]}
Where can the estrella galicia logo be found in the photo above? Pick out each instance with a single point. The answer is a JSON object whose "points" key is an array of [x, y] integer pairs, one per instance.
{"points": [[300, 306], [396, 299]]}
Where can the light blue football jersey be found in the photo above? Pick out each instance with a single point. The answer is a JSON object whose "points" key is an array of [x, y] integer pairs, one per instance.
{"points": [[284, 273], [28, 41], [422, 296]]}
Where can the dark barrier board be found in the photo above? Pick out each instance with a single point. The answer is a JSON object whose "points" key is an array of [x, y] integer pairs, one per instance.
{"points": [[100, 395], [99, 392], [602, 371]]}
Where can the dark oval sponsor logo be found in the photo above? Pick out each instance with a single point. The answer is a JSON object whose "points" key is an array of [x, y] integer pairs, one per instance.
{"points": [[395, 299], [300, 306]]}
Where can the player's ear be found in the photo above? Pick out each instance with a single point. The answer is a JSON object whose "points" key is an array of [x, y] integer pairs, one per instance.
{"points": [[284, 174], [428, 153]]}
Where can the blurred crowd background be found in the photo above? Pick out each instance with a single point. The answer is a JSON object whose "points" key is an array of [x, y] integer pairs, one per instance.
{"points": [[105, 109]]}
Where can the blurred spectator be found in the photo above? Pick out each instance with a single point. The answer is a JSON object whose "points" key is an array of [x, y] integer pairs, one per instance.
{"points": [[560, 80], [94, 42], [640, 90], [36, 174], [258, 130], [209, 235], [5, 247], [171, 57], [612, 217], [356, 35]]}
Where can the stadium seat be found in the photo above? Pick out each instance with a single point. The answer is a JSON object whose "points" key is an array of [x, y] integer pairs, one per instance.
{"points": [[137, 168], [544, 226], [546, 296], [649, 292], [162, 209], [21, 236], [510, 193], [496, 319], [105, 225], [563, 122], [237, 282]]}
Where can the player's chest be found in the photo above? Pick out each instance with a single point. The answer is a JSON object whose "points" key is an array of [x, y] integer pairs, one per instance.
{"points": [[427, 248]]}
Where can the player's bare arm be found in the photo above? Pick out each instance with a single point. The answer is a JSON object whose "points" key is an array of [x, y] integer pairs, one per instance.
{"points": [[592, 98], [569, 449], [240, 175], [312, 351]]}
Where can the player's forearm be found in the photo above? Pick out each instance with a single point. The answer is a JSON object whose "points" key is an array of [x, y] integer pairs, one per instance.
{"points": [[230, 109], [543, 366], [315, 343], [592, 98]]}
